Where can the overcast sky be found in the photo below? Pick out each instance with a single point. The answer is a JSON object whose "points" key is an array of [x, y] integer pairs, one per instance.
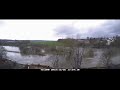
{"points": [[55, 29]]}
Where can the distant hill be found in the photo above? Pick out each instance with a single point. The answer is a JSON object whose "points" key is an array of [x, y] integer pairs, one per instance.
{"points": [[40, 40], [25, 40]]}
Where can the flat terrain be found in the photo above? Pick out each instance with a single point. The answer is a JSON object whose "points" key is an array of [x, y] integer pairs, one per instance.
{"points": [[49, 43]]}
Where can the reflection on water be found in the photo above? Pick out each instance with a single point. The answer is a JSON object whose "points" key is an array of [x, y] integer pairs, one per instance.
{"points": [[32, 51], [12, 48], [27, 55], [36, 55], [28, 59], [2, 52]]}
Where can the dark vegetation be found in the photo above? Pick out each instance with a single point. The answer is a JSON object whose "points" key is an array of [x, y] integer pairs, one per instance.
{"points": [[7, 64], [89, 42], [71, 49]]}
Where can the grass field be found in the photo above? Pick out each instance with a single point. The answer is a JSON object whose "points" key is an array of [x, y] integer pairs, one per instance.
{"points": [[49, 43]]}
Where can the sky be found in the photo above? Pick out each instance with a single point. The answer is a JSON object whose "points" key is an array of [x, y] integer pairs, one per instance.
{"points": [[55, 29]]}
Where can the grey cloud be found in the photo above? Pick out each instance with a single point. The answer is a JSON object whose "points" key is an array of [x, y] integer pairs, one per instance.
{"points": [[66, 31], [108, 29], [115, 27]]}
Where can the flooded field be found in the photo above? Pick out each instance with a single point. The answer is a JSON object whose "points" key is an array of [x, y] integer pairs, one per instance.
{"points": [[41, 56]]}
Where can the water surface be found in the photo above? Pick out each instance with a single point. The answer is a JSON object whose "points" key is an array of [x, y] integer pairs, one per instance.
{"points": [[48, 59]]}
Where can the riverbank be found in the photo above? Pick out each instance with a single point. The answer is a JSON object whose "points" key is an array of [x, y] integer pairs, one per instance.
{"points": [[8, 64]]}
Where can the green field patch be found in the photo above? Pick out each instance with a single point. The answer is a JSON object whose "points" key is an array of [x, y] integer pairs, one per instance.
{"points": [[49, 43]]}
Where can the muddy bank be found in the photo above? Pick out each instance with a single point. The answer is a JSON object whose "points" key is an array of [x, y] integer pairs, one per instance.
{"points": [[32, 66], [8, 64]]}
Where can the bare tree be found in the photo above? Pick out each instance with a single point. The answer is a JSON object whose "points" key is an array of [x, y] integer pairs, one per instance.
{"points": [[78, 57], [56, 57], [76, 53], [72, 52], [56, 61], [106, 56], [2, 53]]}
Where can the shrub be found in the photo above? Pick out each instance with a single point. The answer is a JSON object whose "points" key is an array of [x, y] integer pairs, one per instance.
{"points": [[89, 53]]}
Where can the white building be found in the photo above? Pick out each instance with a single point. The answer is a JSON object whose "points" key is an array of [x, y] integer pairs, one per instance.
{"points": [[109, 41]]}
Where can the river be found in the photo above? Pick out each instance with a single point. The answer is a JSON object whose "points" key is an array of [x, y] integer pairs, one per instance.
{"points": [[48, 59], [25, 59]]}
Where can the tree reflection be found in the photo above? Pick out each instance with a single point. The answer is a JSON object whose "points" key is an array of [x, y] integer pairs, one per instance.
{"points": [[29, 50], [2, 52]]}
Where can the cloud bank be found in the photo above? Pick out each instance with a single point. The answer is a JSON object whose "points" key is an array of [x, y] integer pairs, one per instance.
{"points": [[108, 29], [66, 31]]}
